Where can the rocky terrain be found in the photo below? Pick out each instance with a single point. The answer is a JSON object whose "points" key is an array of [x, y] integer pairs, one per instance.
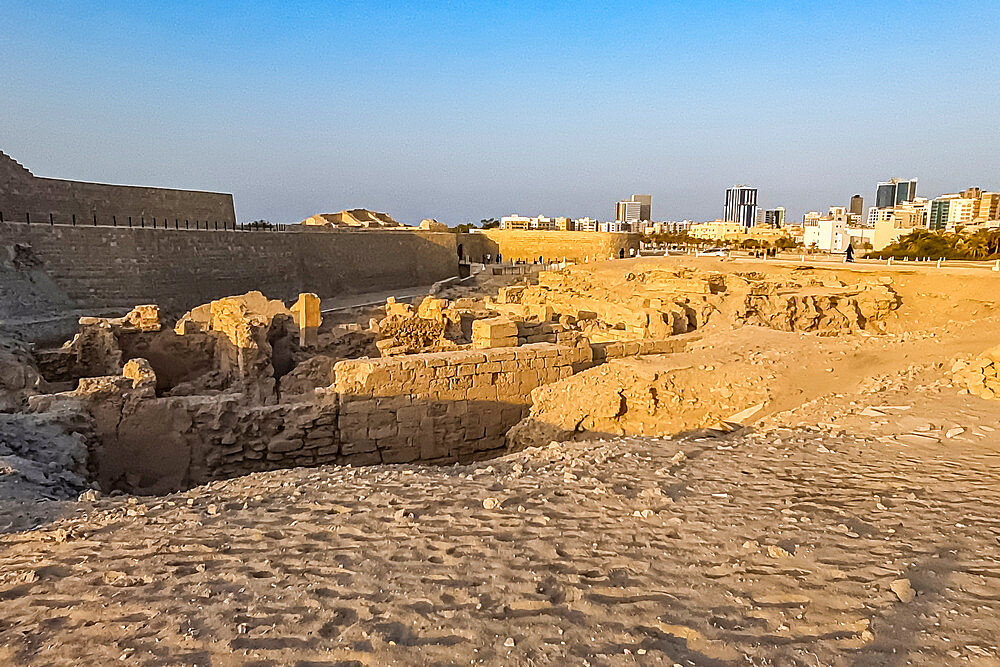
{"points": [[788, 489]]}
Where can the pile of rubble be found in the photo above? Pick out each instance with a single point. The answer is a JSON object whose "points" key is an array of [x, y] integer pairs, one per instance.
{"points": [[980, 376]]}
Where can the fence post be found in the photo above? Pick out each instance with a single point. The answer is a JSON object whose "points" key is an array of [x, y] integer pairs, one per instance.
{"points": [[51, 221], [27, 218], [114, 221], [142, 222], [74, 219], [130, 222], [216, 225]]}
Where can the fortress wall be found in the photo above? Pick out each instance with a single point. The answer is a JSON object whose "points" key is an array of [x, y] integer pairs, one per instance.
{"points": [[104, 268], [552, 246], [23, 193]]}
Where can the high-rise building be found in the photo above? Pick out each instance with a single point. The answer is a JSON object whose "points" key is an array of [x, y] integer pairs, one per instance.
{"points": [[628, 210], [741, 205], [939, 214], [857, 205], [963, 208], [771, 217], [989, 207], [644, 206], [895, 191]]}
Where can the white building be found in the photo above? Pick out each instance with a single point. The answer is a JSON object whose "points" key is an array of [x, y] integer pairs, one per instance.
{"points": [[520, 222], [614, 226], [833, 232], [515, 222], [586, 225]]}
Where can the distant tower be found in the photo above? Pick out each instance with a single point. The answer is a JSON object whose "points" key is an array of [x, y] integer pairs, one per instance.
{"points": [[628, 211], [857, 205], [741, 205], [646, 202], [895, 191]]}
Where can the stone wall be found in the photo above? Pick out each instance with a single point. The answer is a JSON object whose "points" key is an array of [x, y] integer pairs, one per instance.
{"points": [[432, 408], [104, 268], [445, 406], [550, 245], [23, 194]]}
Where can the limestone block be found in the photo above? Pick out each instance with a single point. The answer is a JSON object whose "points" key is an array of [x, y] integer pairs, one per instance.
{"points": [[431, 447], [357, 447], [144, 318], [494, 328], [483, 343], [432, 308], [383, 432], [141, 374], [399, 453], [280, 446]]}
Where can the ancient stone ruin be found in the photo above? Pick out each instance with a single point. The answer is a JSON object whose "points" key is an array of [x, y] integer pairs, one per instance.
{"points": [[247, 383]]}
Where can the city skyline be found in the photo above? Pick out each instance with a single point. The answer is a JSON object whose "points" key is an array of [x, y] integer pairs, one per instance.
{"points": [[252, 103]]}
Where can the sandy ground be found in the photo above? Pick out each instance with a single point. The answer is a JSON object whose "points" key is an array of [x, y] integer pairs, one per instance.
{"points": [[855, 522]]}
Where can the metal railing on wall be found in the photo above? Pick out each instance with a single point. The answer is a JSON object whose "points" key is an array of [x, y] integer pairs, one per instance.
{"points": [[140, 222]]}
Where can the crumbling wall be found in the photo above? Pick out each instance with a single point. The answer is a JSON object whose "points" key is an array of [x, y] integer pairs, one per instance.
{"points": [[434, 407], [446, 406], [19, 376]]}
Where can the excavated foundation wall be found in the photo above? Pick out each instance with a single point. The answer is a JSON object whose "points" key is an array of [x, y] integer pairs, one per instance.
{"points": [[434, 408], [445, 406]]}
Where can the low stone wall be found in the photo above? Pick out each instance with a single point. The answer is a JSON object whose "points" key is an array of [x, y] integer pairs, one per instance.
{"points": [[446, 406], [437, 408]]}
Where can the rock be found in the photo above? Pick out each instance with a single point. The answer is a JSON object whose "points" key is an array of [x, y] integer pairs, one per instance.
{"points": [[113, 576], [902, 589], [89, 496], [509, 642], [952, 432], [775, 551], [491, 503]]}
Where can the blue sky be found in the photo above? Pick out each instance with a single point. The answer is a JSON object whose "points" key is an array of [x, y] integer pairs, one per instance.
{"points": [[461, 111]]}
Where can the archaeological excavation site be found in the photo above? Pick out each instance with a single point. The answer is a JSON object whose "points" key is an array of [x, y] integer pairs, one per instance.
{"points": [[693, 461]]}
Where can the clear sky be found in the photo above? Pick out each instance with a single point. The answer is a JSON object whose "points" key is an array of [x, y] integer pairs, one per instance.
{"points": [[461, 111]]}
